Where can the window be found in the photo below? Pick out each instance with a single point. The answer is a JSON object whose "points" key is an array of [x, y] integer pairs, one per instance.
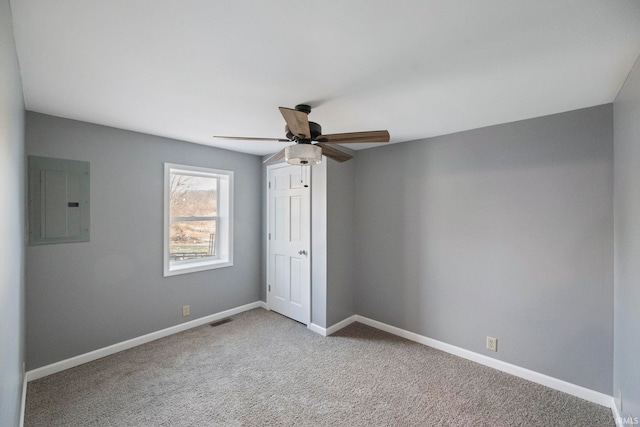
{"points": [[198, 216]]}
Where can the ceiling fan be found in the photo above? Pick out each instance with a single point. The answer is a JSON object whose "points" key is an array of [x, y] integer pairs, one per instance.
{"points": [[310, 144]]}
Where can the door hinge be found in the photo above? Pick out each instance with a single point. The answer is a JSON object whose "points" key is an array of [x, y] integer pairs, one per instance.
{"points": [[269, 236], [269, 288], [269, 184]]}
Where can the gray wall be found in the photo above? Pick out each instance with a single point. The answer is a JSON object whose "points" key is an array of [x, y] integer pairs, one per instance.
{"points": [[626, 119], [332, 242], [12, 249], [319, 249], [340, 240], [504, 231], [85, 296]]}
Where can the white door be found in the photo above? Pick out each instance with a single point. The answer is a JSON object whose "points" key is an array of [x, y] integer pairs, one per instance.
{"points": [[288, 270]]}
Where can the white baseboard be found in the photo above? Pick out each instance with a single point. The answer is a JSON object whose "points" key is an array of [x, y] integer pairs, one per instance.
{"points": [[616, 413], [317, 329], [332, 329], [536, 377], [619, 419], [23, 400], [346, 322], [72, 362]]}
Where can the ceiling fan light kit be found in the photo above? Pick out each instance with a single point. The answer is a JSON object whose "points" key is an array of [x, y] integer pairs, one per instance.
{"points": [[310, 144], [303, 154]]}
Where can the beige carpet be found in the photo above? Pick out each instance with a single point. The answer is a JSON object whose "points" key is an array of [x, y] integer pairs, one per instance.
{"points": [[262, 369]]}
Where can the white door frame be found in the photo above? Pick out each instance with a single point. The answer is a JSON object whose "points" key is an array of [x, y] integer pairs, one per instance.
{"points": [[267, 240]]}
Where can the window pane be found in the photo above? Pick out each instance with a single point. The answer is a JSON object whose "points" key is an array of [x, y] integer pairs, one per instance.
{"points": [[193, 195], [198, 219], [192, 239]]}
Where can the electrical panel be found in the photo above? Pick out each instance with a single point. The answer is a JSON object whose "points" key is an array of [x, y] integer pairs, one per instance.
{"points": [[58, 201]]}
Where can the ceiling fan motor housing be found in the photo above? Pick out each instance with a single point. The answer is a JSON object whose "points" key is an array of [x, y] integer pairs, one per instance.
{"points": [[303, 107], [314, 128]]}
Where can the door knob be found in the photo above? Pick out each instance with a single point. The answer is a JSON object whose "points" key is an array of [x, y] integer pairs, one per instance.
{"points": [[302, 252]]}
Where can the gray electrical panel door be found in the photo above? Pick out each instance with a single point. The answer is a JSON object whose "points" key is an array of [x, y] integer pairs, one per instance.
{"points": [[58, 201]]}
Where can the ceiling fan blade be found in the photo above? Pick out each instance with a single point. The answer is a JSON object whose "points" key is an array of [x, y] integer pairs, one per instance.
{"points": [[278, 156], [334, 153], [350, 137], [297, 121], [249, 138]]}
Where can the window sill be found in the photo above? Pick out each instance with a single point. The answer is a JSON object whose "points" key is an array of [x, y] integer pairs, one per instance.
{"points": [[192, 267]]}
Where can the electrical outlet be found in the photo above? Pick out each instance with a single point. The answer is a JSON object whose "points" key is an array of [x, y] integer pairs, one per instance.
{"points": [[492, 344], [185, 310]]}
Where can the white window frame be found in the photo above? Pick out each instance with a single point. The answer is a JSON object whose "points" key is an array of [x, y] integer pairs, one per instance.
{"points": [[224, 221]]}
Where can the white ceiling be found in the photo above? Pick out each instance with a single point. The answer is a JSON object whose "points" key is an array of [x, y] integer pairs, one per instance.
{"points": [[191, 69]]}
